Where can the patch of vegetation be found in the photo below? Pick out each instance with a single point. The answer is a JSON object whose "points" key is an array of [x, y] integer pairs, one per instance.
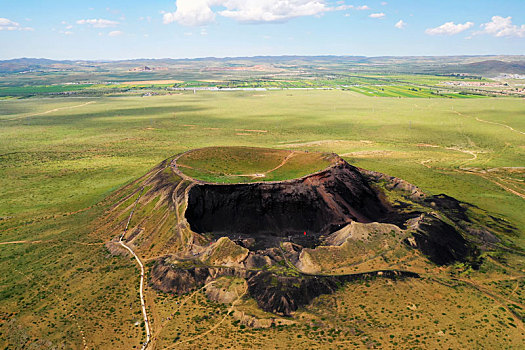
{"points": [[248, 164]]}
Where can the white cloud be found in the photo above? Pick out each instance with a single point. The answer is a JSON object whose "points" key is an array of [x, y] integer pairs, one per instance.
{"points": [[6, 24], [377, 15], [191, 13], [98, 23], [115, 33], [204, 31], [200, 12], [449, 28], [401, 24], [272, 10], [502, 26], [362, 8]]}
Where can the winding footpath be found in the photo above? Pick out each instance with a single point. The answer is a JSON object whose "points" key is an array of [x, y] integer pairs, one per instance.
{"points": [[141, 289], [142, 273], [142, 301]]}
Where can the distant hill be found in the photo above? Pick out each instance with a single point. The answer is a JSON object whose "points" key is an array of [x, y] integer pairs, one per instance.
{"points": [[490, 68], [25, 64], [475, 65]]}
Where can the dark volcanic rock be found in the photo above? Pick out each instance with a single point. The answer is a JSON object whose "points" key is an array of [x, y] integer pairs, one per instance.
{"points": [[319, 203], [450, 206], [440, 242], [273, 292], [182, 279], [176, 280], [285, 294]]}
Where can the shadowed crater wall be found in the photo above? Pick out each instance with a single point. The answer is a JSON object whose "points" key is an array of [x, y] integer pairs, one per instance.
{"points": [[319, 204]]}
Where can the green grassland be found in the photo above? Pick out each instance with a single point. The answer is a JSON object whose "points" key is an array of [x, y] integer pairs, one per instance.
{"points": [[71, 157], [61, 157], [249, 164]]}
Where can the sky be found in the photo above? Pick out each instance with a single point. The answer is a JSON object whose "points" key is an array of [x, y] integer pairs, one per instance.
{"points": [[127, 29]]}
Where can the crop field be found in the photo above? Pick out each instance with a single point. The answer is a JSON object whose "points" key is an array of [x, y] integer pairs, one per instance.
{"points": [[61, 157], [404, 91]]}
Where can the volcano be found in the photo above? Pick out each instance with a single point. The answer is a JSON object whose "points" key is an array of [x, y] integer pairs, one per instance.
{"points": [[293, 225]]}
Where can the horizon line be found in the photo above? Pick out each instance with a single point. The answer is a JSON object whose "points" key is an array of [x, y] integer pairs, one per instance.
{"points": [[255, 56]]}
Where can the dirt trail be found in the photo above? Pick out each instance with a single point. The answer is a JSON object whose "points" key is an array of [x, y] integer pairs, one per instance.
{"points": [[464, 170], [489, 122], [497, 298], [141, 291], [262, 174], [50, 111], [286, 159], [142, 270], [508, 189], [230, 309], [20, 242], [175, 199], [163, 324]]}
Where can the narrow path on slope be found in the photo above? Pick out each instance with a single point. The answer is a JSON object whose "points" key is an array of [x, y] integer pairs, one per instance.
{"points": [[491, 179], [262, 174], [142, 273], [20, 242], [282, 163], [142, 301], [464, 170]]}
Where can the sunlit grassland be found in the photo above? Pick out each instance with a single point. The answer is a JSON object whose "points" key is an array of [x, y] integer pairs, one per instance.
{"points": [[69, 159], [251, 164], [63, 155]]}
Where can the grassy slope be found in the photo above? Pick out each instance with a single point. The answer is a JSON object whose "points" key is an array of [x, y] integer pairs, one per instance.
{"points": [[68, 160], [237, 164]]}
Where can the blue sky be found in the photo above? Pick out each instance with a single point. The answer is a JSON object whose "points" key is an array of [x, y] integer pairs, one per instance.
{"points": [[123, 29]]}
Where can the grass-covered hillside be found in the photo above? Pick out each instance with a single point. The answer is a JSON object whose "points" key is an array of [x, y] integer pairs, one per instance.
{"points": [[250, 164]]}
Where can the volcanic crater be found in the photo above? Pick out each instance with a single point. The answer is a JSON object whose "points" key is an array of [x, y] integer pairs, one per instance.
{"points": [[291, 224]]}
